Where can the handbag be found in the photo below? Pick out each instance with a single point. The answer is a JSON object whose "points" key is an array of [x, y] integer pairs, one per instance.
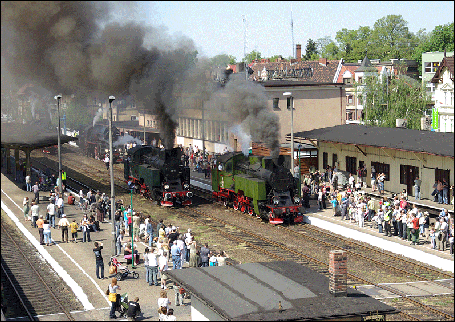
{"points": [[113, 297], [112, 269], [107, 291]]}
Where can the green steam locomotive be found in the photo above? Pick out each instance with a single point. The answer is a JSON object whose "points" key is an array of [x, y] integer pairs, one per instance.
{"points": [[257, 186]]}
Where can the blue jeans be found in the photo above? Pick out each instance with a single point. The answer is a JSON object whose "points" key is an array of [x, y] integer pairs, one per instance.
{"points": [[445, 193], [187, 255], [153, 275], [86, 236], [417, 192], [440, 196], [176, 261], [47, 237], [52, 220], [99, 268], [29, 187], [113, 308], [119, 248], [205, 264]]}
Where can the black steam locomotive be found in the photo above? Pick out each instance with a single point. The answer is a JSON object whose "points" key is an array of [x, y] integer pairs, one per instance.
{"points": [[159, 174], [94, 141]]}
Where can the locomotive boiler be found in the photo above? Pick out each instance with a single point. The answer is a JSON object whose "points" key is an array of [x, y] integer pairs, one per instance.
{"points": [[258, 186], [94, 140], [160, 174]]}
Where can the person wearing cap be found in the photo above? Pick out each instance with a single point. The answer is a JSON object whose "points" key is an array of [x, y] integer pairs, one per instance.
{"points": [[63, 224], [40, 224]]}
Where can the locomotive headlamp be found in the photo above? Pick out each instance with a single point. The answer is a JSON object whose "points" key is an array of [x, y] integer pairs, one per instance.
{"points": [[296, 199], [186, 186], [276, 201], [166, 186]]}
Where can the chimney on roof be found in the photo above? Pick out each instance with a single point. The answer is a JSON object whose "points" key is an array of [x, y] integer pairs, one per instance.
{"points": [[338, 273], [323, 61], [298, 52]]}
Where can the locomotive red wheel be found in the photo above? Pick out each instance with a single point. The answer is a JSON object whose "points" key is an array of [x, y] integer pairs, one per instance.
{"points": [[243, 208], [236, 205], [250, 211]]}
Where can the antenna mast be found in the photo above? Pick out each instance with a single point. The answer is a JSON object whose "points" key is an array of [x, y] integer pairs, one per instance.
{"points": [[244, 47], [292, 34]]}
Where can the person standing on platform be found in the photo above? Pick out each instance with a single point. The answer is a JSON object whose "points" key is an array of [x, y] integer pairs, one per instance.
{"points": [[26, 208], [175, 252], [153, 267], [114, 298], [60, 205], [74, 228], [35, 190], [34, 210], [63, 224], [387, 221], [445, 192], [99, 260], [106, 161], [163, 268], [51, 213], [40, 225], [85, 230], [28, 182], [205, 253], [415, 230], [417, 183]]}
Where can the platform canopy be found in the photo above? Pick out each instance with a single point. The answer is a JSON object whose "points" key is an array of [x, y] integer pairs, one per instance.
{"points": [[30, 136]]}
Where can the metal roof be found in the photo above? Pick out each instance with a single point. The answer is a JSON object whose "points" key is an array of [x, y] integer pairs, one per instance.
{"points": [[252, 292], [437, 143], [30, 136]]}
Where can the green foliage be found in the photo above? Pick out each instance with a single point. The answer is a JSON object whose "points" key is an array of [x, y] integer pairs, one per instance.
{"points": [[76, 115], [396, 98], [274, 58], [311, 51], [440, 39], [223, 60], [353, 44], [252, 56]]}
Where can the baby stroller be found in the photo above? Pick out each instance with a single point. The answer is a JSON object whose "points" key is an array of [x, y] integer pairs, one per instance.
{"points": [[123, 307], [122, 271]]}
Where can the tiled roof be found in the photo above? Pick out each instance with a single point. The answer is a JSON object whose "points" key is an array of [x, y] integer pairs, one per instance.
{"points": [[447, 62], [313, 71], [345, 68], [366, 66]]}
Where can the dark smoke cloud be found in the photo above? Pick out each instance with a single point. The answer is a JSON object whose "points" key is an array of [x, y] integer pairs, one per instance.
{"points": [[76, 48]]}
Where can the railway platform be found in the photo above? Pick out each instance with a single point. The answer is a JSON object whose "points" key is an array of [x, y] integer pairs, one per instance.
{"points": [[75, 263], [325, 219]]}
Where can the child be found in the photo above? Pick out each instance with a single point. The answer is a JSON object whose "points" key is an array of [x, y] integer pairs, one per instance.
{"points": [[212, 260], [380, 219], [74, 228], [433, 237], [334, 203]]}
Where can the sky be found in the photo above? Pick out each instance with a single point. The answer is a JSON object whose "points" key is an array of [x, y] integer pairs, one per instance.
{"points": [[218, 27]]}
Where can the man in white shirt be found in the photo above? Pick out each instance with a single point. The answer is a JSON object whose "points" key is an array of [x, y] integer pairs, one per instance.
{"points": [[106, 161], [163, 268], [51, 212], [60, 206]]}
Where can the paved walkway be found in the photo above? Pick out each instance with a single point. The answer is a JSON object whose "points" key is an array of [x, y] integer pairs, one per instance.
{"points": [[76, 262]]}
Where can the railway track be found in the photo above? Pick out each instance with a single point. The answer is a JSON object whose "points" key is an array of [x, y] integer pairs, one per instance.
{"points": [[37, 287], [281, 252], [277, 254]]}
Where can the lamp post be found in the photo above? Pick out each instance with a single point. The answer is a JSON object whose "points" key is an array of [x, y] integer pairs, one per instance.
{"points": [[289, 96], [58, 98], [132, 235], [111, 168], [300, 174]]}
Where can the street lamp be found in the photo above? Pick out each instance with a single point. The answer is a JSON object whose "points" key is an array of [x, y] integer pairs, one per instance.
{"points": [[111, 167], [58, 98], [289, 96]]}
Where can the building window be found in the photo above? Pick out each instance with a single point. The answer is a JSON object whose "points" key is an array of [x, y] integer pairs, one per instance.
{"points": [[359, 101], [325, 160], [431, 67], [382, 168], [133, 117], [350, 100], [360, 81], [288, 102], [275, 104], [347, 80], [351, 163], [408, 173], [334, 160]]}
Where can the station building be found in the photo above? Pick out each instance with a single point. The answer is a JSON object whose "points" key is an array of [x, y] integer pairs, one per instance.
{"points": [[275, 291], [401, 154]]}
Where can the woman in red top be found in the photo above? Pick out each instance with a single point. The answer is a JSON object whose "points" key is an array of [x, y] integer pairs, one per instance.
{"points": [[415, 231], [403, 203]]}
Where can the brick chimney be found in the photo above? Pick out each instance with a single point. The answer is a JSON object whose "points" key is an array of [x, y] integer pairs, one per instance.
{"points": [[298, 52], [338, 273], [323, 61]]}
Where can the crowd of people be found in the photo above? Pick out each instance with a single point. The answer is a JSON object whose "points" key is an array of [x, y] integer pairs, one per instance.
{"points": [[393, 218]]}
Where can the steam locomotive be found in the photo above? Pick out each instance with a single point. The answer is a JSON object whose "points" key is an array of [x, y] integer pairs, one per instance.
{"points": [[257, 186], [159, 174], [94, 141]]}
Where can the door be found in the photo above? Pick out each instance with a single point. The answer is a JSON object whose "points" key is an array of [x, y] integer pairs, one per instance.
{"points": [[440, 174], [408, 173]]}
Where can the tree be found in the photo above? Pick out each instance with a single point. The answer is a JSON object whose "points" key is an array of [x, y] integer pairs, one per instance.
{"points": [[385, 100], [440, 39], [327, 48], [252, 56], [274, 58], [222, 60], [391, 38], [353, 44], [311, 51]]}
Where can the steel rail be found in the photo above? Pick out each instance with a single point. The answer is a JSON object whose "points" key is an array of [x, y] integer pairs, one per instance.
{"points": [[68, 314]]}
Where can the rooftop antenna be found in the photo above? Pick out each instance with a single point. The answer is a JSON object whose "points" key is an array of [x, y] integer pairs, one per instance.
{"points": [[292, 34], [244, 47]]}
